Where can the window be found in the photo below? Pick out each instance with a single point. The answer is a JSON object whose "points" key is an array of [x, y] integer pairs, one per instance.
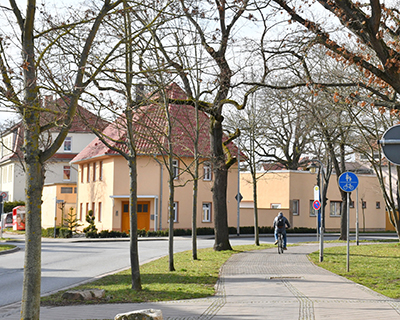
{"points": [[88, 172], [67, 173], [175, 209], [364, 205], [378, 205], [351, 205], [175, 168], [87, 209], [101, 170], [66, 189], [94, 171], [94, 209], [313, 213], [68, 144], [335, 208], [207, 171], [81, 211], [82, 173], [275, 205], [207, 212], [295, 207], [99, 215]]}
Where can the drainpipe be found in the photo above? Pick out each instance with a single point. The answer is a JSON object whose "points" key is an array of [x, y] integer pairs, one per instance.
{"points": [[158, 216]]}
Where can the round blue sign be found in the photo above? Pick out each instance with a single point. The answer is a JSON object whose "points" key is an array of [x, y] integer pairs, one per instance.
{"points": [[348, 181]]}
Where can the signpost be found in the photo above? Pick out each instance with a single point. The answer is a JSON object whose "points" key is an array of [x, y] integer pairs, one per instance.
{"points": [[316, 205], [316, 208], [348, 182], [391, 144]]}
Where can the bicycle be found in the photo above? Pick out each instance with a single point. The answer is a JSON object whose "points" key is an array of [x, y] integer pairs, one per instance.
{"points": [[280, 243]]}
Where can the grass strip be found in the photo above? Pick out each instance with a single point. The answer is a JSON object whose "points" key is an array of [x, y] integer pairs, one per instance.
{"points": [[4, 247], [374, 266], [192, 279]]}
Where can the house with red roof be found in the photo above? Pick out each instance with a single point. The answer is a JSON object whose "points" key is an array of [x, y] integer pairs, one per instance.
{"points": [[60, 175], [104, 182]]}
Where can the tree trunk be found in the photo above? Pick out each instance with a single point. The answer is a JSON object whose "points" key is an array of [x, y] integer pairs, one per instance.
{"points": [[134, 252], [171, 226], [34, 185], [220, 188], [194, 210], [256, 231], [343, 220]]}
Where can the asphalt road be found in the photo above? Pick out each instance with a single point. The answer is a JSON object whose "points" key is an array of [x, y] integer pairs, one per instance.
{"points": [[66, 263]]}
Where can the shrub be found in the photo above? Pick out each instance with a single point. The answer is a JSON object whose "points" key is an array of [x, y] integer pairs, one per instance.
{"points": [[91, 234], [112, 234], [141, 232], [64, 233], [182, 232], [91, 227], [9, 205], [205, 231]]}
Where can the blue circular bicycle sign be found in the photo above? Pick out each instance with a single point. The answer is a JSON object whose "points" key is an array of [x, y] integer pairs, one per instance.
{"points": [[348, 181]]}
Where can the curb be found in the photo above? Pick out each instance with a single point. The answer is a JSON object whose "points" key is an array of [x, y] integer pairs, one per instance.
{"points": [[10, 250]]}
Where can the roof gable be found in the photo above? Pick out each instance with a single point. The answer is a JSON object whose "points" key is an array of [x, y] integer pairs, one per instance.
{"points": [[150, 126]]}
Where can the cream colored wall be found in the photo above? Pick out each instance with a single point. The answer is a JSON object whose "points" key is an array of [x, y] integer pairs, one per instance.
{"points": [[265, 216], [97, 191], [271, 189], [48, 206], [116, 183], [184, 196], [50, 209]]}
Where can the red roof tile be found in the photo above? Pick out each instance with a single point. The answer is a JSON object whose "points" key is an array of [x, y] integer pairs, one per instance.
{"points": [[150, 128]]}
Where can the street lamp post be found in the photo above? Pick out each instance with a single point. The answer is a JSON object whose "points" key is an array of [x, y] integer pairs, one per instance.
{"points": [[322, 227]]}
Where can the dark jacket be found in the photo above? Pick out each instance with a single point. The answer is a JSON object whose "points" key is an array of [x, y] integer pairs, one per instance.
{"points": [[286, 223]]}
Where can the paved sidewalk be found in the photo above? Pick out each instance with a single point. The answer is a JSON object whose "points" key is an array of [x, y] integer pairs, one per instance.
{"points": [[257, 285]]}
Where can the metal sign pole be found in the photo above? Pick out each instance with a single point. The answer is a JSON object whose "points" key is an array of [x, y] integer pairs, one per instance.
{"points": [[348, 182], [357, 223], [348, 231]]}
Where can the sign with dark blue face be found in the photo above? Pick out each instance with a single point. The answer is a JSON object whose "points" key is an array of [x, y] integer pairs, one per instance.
{"points": [[348, 181]]}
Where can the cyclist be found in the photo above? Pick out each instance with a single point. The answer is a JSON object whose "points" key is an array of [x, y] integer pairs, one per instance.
{"points": [[280, 223]]}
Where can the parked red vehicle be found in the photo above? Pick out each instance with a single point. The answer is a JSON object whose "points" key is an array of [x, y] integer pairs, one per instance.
{"points": [[19, 218]]}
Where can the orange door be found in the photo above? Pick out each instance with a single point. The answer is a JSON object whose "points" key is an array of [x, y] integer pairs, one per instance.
{"points": [[125, 221], [143, 216]]}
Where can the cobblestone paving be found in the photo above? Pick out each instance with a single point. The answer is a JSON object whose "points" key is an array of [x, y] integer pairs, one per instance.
{"points": [[285, 269], [260, 285]]}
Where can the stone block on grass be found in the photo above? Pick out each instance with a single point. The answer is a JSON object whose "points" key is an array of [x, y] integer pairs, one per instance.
{"points": [[83, 295], [149, 314]]}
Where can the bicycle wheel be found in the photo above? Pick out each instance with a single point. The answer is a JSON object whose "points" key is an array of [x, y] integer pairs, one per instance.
{"points": [[280, 243]]}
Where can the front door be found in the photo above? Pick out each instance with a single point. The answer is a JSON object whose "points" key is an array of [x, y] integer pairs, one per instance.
{"points": [[125, 221], [143, 216]]}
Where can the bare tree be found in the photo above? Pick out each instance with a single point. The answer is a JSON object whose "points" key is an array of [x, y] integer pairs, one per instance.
{"points": [[26, 101]]}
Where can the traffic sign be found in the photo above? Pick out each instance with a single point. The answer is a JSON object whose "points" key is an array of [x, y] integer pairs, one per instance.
{"points": [[391, 144], [348, 181], [240, 197], [316, 204], [316, 193], [4, 194]]}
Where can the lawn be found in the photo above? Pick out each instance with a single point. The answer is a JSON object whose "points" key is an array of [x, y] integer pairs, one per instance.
{"points": [[374, 266], [191, 279], [6, 247]]}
